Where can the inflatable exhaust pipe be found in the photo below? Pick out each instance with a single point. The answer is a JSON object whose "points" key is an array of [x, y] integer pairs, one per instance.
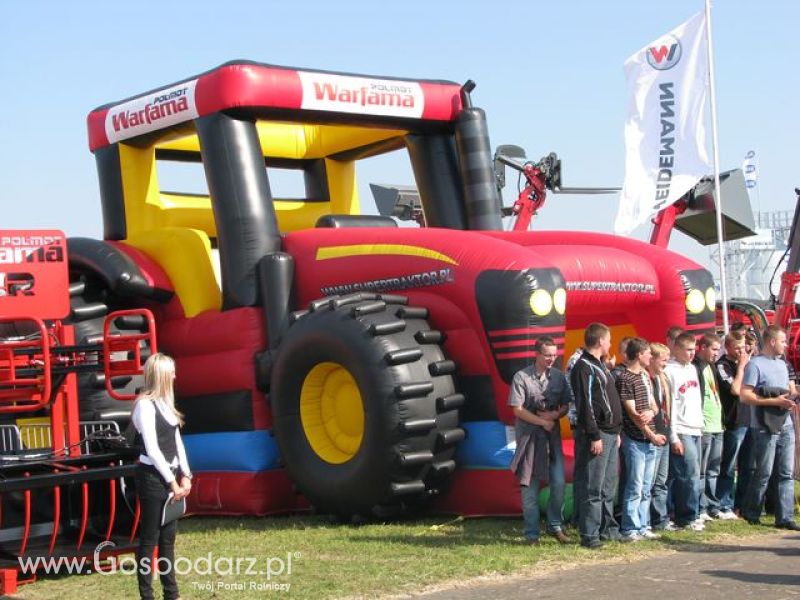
{"points": [[481, 196], [275, 278]]}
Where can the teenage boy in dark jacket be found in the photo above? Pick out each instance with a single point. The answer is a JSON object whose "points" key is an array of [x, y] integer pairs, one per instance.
{"points": [[599, 422], [736, 439]]}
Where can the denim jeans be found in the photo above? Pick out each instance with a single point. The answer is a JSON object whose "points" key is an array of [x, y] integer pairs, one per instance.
{"points": [[768, 449], [622, 481], [640, 462], [555, 503], [152, 493], [685, 471], [578, 480], [709, 472], [659, 514], [596, 476], [735, 457]]}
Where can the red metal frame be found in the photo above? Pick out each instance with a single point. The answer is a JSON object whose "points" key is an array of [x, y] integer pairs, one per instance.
{"points": [[56, 516], [137, 513], [54, 349], [26, 527], [664, 223], [785, 308], [112, 505], [530, 199], [127, 343], [24, 394], [84, 513]]}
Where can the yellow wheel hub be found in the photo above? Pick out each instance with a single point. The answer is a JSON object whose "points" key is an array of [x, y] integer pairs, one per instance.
{"points": [[332, 412]]}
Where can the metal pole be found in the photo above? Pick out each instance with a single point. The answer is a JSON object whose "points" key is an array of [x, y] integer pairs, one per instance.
{"points": [[723, 286]]}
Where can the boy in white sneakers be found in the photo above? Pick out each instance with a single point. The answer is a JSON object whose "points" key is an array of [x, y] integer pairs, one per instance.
{"points": [[686, 433]]}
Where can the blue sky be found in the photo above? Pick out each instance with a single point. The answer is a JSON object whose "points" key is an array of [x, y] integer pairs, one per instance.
{"points": [[549, 76]]}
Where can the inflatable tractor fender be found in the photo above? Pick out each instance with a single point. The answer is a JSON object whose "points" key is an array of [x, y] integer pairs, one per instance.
{"points": [[116, 270], [104, 279], [364, 406]]}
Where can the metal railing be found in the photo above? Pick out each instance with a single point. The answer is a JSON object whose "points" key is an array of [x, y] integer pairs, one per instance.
{"points": [[10, 440], [36, 436], [89, 428]]}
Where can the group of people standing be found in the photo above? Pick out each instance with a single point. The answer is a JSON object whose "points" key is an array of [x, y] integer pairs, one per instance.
{"points": [[666, 431]]}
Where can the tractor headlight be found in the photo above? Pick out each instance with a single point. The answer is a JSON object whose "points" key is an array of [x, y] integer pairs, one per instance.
{"points": [[541, 302], [695, 302], [560, 300], [711, 299]]}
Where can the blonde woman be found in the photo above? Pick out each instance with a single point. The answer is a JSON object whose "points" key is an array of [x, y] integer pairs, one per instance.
{"points": [[163, 468]]}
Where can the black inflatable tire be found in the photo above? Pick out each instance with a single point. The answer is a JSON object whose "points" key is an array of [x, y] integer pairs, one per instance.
{"points": [[90, 302], [410, 406]]}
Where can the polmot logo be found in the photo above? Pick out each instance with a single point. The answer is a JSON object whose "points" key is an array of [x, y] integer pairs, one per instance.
{"points": [[664, 54]]}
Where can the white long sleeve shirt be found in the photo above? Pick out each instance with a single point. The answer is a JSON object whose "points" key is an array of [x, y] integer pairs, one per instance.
{"points": [[144, 419], [687, 400]]}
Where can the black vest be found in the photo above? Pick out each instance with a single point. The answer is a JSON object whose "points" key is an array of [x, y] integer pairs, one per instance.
{"points": [[165, 434]]}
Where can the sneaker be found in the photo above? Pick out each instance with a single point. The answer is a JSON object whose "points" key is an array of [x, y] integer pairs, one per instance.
{"points": [[703, 516], [670, 527], [727, 515], [649, 535], [593, 545], [791, 525], [698, 525], [631, 537]]}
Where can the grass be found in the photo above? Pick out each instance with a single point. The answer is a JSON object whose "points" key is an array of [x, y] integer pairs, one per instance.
{"points": [[330, 560]]}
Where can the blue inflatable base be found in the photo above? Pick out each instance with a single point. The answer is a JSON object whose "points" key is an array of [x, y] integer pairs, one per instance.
{"points": [[489, 445], [251, 451]]}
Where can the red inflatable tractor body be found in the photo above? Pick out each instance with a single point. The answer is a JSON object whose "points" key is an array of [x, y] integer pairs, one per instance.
{"points": [[327, 357]]}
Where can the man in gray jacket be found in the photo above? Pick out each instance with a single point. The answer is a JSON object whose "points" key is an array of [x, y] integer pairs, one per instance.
{"points": [[539, 397]]}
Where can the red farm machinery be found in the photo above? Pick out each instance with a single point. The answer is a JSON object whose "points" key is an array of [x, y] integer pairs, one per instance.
{"points": [[64, 475]]}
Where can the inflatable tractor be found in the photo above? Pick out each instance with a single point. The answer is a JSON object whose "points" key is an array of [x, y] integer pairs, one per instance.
{"points": [[330, 357]]}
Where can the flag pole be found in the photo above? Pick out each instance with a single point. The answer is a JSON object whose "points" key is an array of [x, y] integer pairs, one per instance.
{"points": [[723, 286]]}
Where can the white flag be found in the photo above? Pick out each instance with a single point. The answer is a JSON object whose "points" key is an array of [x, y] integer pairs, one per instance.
{"points": [[665, 135], [750, 169]]}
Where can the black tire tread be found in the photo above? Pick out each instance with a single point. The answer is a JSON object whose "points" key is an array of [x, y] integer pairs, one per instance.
{"points": [[403, 356], [424, 439], [431, 336]]}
